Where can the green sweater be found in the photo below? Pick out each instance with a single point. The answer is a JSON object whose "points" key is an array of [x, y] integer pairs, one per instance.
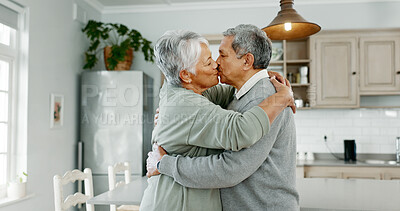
{"points": [[189, 124]]}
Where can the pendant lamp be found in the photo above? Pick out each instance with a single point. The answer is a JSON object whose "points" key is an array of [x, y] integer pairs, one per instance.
{"points": [[289, 25]]}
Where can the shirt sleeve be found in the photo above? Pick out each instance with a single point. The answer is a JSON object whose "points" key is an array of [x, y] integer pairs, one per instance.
{"points": [[221, 170], [220, 94]]}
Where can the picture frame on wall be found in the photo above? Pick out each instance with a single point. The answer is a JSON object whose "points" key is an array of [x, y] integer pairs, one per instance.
{"points": [[56, 110]]}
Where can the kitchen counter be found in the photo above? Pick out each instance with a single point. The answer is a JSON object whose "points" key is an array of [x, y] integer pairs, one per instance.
{"points": [[354, 194], [341, 163]]}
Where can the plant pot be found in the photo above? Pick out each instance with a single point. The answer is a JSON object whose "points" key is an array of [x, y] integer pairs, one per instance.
{"points": [[122, 65], [16, 190]]}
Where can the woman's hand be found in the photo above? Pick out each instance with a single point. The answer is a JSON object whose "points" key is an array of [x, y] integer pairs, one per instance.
{"points": [[278, 76], [153, 158], [156, 116], [285, 90]]}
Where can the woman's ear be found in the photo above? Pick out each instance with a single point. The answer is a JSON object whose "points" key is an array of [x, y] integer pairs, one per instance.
{"points": [[185, 76], [248, 61]]}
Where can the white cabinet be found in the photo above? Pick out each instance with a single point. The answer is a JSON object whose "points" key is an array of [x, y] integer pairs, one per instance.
{"points": [[336, 71], [347, 64], [379, 65]]}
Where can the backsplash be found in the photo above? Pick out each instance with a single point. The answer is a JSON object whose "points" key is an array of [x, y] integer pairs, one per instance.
{"points": [[374, 130]]}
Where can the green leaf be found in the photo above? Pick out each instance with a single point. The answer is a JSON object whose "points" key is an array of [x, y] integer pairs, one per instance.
{"points": [[91, 60], [119, 36], [94, 45]]}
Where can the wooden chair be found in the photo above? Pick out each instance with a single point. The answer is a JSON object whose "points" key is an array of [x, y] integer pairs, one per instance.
{"points": [[112, 183], [78, 197]]}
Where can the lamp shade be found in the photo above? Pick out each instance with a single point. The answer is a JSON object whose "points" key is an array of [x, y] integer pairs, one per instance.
{"points": [[296, 26]]}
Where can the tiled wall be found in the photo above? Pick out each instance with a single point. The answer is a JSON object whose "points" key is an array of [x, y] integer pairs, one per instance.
{"points": [[374, 130]]}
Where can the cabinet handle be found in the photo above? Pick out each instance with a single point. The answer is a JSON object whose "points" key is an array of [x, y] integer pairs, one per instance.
{"points": [[353, 73], [398, 72]]}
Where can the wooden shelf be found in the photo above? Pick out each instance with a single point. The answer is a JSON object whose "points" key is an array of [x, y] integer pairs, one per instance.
{"points": [[296, 84], [298, 61], [276, 62]]}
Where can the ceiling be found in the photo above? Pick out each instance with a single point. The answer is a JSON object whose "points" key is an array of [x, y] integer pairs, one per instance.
{"points": [[118, 3], [159, 2], [132, 6]]}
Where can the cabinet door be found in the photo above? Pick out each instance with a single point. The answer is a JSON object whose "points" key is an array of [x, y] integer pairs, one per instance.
{"points": [[379, 65], [323, 172], [336, 68]]}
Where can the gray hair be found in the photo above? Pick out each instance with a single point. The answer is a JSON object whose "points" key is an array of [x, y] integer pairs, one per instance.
{"points": [[178, 50], [250, 39]]}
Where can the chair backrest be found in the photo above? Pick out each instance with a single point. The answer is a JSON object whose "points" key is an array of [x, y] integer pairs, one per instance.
{"points": [[112, 177], [113, 170], [78, 197]]}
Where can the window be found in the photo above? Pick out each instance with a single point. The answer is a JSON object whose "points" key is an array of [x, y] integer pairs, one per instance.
{"points": [[13, 94]]}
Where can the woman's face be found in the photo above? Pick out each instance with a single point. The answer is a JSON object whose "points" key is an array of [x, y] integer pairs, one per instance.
{"points": [[206, 70]]}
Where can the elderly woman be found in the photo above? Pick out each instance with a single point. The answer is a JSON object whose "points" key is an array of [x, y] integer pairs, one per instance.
{"points": [[190, 125]]}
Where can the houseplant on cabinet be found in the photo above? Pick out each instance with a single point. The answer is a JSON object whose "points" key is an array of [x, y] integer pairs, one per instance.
{"points": [[117, 42]]}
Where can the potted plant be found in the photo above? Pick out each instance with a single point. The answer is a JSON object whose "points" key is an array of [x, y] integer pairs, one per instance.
{"points": [[17, 187], [117, 42]]}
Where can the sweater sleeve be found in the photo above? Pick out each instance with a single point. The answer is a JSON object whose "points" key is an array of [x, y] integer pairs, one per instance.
{"points": [[220, 94], [221, 170], [217, 128]]}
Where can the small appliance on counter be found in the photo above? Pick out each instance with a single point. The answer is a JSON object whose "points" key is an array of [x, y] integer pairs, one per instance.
{"points": [[350, 154]]}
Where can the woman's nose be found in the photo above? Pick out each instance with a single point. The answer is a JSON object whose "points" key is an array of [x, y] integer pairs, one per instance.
{"points": [[215, 65]]}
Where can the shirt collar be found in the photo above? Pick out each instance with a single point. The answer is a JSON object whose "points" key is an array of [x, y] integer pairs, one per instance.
{"points": [[251, 82]]}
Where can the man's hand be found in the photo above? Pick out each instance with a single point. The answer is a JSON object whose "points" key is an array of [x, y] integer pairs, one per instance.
{"points": [[152, 159]]}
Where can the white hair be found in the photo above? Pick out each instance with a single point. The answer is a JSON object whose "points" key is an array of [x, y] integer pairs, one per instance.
{"points": [[178, 50]]}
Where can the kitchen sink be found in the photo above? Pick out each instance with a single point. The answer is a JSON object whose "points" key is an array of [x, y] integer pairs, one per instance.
{"points": [[381, 162]]}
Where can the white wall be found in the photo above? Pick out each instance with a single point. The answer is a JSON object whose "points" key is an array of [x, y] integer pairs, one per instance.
{"points": [[56, 47], [371, 137]]}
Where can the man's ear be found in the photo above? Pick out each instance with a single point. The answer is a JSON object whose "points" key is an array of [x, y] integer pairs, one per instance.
{"points": [[185, 76], [248, 61]]}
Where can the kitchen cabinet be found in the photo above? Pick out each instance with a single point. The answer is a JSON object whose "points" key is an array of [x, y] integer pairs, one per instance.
{"points": [[348, 64], [299, 172], [379, 65], [340, 172], [335, 71], [287, 59]]}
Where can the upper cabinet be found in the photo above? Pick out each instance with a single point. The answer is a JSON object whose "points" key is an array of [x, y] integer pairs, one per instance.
{"points": [[379, 65], [335, 72], [347, 64]]}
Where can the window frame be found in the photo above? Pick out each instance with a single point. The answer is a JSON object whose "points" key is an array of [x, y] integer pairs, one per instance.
{"points": [[9, 54], [17, 56]]}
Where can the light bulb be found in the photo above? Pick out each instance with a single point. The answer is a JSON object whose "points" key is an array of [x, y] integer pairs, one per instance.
{"points": [[288, 26]]}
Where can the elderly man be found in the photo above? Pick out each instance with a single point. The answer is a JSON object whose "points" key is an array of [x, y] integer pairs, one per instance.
{"points": [[261, 177]]}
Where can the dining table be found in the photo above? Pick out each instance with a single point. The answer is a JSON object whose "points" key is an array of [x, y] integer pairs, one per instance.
{"points": [[128, 194]]}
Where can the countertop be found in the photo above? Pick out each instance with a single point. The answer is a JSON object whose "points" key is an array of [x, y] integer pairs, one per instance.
{"points": [[341, 163]]}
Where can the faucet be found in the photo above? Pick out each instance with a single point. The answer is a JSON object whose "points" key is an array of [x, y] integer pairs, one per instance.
{"points": [[398, 149]]}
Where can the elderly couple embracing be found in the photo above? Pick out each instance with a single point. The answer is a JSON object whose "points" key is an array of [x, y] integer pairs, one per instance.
{"points": [[221, 147]]}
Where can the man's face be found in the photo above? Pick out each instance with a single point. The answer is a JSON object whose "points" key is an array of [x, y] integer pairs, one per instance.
{"points": [[228, 65]]}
